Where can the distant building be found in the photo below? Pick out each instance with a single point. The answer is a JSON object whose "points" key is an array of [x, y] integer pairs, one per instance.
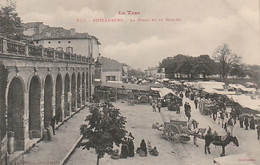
{"points": [[112, 70], [154, 72]]}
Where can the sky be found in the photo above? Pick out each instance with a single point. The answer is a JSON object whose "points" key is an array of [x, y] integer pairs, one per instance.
{"points": [[201, 26]]}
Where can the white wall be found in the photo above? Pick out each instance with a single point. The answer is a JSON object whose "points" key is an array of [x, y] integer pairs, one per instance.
{"points": [[80, 46], [117, 74]]}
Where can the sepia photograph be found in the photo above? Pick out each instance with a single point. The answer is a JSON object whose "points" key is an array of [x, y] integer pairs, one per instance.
{"points": [[129, 82]]}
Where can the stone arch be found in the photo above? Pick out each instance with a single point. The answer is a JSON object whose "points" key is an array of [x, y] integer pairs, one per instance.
{"points": [[34, 107], [83, 88], [66, 95], [15, 110], [58, 99], [48, 93], [78, 90], [73, 92]]}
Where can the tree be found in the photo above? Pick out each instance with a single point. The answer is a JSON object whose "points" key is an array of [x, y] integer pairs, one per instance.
{"points": [[135, 73], [204, 65], [105, 127], [10, 22], [225, 59], [237, 70]]}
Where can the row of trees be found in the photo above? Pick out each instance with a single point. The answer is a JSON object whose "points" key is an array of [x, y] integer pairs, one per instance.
{"points": [[223, 62]]}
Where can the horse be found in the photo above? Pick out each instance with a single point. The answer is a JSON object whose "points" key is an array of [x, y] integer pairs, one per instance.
{"points": [[217, 141]]}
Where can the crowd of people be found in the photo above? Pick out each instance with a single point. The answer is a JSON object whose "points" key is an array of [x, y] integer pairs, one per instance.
{"points": [[218, 112]]}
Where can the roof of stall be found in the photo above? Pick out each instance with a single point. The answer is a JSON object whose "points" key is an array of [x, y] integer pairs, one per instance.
{"points": [[129, 86], [163, 91]]}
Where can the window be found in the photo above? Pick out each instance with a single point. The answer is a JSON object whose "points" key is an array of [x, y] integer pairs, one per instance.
{"points": [[69, 42], [37, 42], [69, 50], [110, 78], [49, 42], [59, 49], [59, 42]]}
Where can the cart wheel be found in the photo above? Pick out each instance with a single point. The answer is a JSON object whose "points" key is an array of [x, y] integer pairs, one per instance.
{"points": [[172, 133]]}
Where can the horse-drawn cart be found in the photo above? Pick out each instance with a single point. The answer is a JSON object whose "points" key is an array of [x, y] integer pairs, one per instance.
{"points": [[176, 129]]}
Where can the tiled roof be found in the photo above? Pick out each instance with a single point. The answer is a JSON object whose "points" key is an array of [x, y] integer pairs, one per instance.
{"points": [[60, 33], [110, 64], [55, 32]]}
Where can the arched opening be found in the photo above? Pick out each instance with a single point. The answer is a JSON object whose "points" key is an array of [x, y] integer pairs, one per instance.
{"points": [[15, 108], [83, 88], [58, 93], [78, 91], [66, 95], [34, 108], [48, 111], [87, 86], [73, 93]]}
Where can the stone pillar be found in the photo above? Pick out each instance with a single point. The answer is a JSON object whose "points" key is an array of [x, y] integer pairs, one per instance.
{"points": [[53, 105], [79, 105], [84, 93], [25, 120], [69, 102], [42, 111], [62, 106]]}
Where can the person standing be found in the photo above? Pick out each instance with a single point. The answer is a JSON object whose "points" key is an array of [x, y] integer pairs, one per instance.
{"points": [[188, 111], [246, 123], [159, 105], [154, 106], [131, 148], [252, 123], [124, 148], [241, 121], [181, 95], [196, 102], [258, 131], [53, 119], [143, 147]]}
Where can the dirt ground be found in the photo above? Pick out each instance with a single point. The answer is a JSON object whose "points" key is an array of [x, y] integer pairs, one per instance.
{"points": [[139, 122]]}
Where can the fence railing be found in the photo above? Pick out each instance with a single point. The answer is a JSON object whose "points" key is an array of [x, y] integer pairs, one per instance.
{"points": [[18, 48]]}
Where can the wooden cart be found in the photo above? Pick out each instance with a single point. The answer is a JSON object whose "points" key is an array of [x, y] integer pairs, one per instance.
{"points": [[176, 129]]}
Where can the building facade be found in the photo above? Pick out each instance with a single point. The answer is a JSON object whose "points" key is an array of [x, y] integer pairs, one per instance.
{"points": [[112, 70], [68, 41]]}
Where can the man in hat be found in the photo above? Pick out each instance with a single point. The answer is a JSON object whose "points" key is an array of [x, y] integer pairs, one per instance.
{"points": [[258, 131]]}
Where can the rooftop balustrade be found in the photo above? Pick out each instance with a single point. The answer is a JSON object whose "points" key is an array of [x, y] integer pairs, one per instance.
{"points": [[23, 49]]}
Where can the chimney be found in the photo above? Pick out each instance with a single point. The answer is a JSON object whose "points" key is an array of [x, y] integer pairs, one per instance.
{"points": [[72, 31]]}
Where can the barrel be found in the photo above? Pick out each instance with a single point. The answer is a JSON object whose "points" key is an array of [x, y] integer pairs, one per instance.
{"points": [[50, 132]]}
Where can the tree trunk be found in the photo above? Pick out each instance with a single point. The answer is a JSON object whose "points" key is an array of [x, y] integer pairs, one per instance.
{"points": [[97, 160]]}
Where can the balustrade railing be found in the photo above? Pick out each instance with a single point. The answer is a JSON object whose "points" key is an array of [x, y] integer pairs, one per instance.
{"points": [[79, 58], [48, 53], [59, 55], [17, 48], [66, 56], [73, 57], [35, 51]]}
